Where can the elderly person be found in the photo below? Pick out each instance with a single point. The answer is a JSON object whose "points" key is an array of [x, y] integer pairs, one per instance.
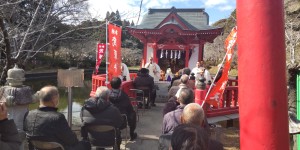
{"points": [[172, 102], [194, 117], [47, 122], [121, 100], [9, 138], [99, 111], [172, 119]]}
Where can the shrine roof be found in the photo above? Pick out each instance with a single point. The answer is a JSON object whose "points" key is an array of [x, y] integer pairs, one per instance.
{"points": [[193, 18]]}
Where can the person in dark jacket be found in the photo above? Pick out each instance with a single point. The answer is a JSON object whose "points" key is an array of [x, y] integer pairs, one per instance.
{"points": [[99, 111], [122, 102], [172, 119], [172, 103], [193, 114], [9, 137], [47, 122], [145, 80]]}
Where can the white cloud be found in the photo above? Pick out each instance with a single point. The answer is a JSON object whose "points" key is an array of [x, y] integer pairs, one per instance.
{"points": [[212, 3], [226, 8]]}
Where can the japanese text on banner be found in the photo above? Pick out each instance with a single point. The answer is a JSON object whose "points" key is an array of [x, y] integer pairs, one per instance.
{"points": [[217, 91], [100, 53], [114, 69]]}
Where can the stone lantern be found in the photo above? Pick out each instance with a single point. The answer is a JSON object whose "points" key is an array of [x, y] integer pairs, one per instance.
{"points": [[17, 97]]}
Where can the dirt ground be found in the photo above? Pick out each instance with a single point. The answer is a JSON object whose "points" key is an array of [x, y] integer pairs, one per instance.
{"points": [[228, 136]]}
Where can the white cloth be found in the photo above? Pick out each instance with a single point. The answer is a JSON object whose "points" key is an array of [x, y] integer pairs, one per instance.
{"points": [[206, 74], [169, 73], [154, 70], [125, 72]]}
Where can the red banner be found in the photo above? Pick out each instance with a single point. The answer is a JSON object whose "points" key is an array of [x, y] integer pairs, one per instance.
{"points": [[100, 54], [217, 91], [114, 34]]}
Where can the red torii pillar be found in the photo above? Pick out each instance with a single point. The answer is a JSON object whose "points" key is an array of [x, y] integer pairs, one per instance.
{"points": [[262, 81]]}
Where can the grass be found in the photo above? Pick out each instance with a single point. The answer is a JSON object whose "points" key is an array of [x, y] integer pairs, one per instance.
{"points": [[214, 69]]}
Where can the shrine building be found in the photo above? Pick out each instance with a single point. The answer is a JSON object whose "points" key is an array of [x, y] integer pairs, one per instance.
{"points": [[174, 37]]}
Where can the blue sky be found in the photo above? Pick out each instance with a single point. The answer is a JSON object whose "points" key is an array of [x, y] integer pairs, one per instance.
{"points": [[216, 9]]}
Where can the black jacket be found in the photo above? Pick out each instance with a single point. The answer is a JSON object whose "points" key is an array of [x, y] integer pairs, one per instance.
{"points": [[121, 101], [144, 80], [96, 111], [9, 137], [47, 122]]}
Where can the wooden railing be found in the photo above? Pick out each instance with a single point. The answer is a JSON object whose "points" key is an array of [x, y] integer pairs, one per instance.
{"points": [[227, 105]]}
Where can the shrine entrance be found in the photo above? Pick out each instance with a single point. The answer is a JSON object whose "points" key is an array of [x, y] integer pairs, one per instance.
{"points": [[174, 59]]}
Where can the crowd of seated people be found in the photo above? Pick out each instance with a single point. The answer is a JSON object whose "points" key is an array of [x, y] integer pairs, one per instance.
{"points": [[184, 123]]}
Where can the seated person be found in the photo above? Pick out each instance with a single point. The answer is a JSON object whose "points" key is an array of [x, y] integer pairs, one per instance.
{"points": [[142, 80], [47, 122], [99, 111], [122, 102], [193, 114], [186, 71], [177, 76], [172, 102], [9, 137], [172, 119], [189, 136]]}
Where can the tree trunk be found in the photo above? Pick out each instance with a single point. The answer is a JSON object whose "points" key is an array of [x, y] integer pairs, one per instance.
{"points": [[7, 50], [292, 77]]}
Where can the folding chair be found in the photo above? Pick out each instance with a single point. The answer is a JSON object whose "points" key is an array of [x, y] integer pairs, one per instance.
{"points": [[126, 127], [43, 143], [100, 129], [136, 98], [147, 94]]}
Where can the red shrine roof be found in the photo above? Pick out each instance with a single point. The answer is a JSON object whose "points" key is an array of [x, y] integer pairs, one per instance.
{"points": [[192, 19]]}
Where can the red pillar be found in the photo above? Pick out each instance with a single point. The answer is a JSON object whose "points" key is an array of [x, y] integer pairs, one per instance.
{"points": [[201, 51], [262, 81], [144, 60], [187, 53], [154, 53]]}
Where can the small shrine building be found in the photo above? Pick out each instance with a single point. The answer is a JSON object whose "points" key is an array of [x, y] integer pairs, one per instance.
{"points": [[174, 37]]}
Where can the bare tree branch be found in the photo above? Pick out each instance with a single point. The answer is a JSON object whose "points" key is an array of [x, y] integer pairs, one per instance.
{"points": [[28, 29]]}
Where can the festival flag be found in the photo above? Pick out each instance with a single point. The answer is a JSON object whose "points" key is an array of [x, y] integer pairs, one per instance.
{"points": [[114, 34], [100, 53], [218, 89]]}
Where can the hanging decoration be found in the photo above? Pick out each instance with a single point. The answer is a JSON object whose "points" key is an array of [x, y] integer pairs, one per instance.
{"points": [[162, 53], [166, 54], [171, 54], [175, 54], [179, 54]]}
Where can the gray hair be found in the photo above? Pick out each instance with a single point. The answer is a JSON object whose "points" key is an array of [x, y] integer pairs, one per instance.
{"points": [[186, 96], [193, 113], [102, 92], [184, 79]]}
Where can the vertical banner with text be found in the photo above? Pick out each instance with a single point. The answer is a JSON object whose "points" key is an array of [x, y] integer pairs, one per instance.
{"points": [[217, 91], [100, 53], [114, 34]]}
